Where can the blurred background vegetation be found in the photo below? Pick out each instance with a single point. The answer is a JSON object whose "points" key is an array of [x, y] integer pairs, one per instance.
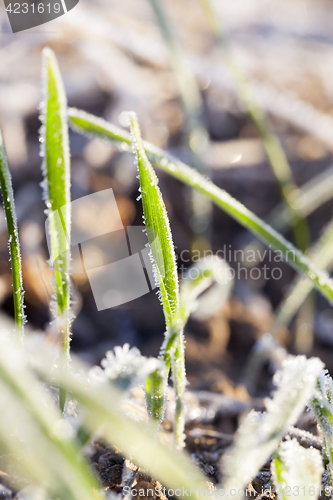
{"points": [[113, 58]]}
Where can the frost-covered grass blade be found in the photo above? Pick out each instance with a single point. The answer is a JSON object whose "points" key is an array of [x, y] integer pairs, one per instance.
{"points": [[13, 239], [297, 470], [127, 368], [158, 231], [90, 125], [33, 432], [56, 170], [259, 434], [321, 255], [205, 286], [276, 156], [102, 409], [157, 222]]}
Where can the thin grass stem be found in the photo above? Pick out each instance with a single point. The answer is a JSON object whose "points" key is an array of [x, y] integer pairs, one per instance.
{"points": [[13, 241]]}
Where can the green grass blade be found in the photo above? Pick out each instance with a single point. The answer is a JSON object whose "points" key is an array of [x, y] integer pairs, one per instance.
{"points": [[211, 275], [322, 408], [199, 277], [56, 169], [102, 409], [156, 386], [96, 127], [297, 469], [189, 92], [14, 243], [259, 435], [156, 219], [34, 433], [126, 368], [157, 222], [172, 468], [322, 256], [187, 84]]}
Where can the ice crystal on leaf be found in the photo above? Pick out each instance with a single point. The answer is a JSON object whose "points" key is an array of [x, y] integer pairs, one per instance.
{"points": [[322, 406], [96, 127], [295, 468], [125, 367], [260, 434]]}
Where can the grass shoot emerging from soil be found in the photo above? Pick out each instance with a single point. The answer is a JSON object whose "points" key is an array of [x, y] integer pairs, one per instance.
{"points": [[163, 253], [56, 170]]}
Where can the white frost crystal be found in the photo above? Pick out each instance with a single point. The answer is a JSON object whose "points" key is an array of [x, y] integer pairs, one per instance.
{"points": [[260, 434], [125, 367], [296, 469]]}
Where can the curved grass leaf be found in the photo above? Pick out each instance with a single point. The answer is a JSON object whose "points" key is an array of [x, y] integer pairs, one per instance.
{"points": [[212, 273], [156, 386], [259, 434], [172, 468], [322, 256], [297, 470], [187, 84], [208, 273], [102, 412], [90, 125], [34, 433], [13, 242], [56, 170]]}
